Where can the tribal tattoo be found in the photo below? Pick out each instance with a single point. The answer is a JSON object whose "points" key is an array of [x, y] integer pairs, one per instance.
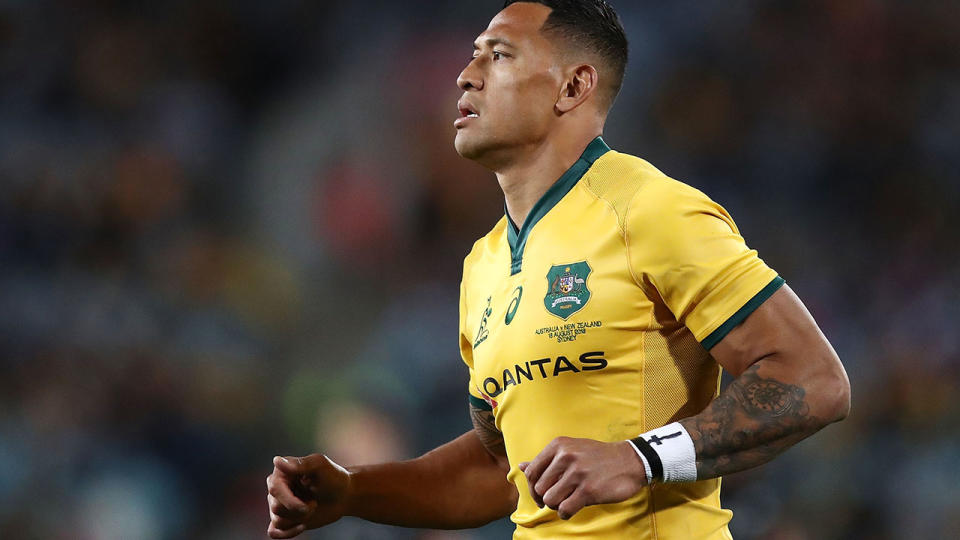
{"points": [[486, 428], [751, 422]]}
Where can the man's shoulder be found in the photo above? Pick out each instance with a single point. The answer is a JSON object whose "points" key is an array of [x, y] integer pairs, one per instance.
{"points": [[632, 184]]}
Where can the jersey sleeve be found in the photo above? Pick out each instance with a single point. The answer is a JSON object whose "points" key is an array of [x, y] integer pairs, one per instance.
{"points": [[687, 249], [466, 352]]}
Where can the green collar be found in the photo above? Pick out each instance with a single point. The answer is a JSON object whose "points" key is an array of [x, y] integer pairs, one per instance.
{"points": [[518, 238]]}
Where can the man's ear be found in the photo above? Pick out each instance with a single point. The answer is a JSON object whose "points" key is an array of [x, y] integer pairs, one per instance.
{"points": [[579, 84]]}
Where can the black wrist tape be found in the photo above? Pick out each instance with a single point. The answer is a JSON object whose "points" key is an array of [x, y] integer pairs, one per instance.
{"points": [[656, 466]]}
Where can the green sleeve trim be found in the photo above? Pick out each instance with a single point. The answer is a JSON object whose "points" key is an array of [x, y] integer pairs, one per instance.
{"points": [[742, 313], [479, 403]]}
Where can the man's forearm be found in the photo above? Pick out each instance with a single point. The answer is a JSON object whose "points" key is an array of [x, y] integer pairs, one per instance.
{"points": [[757, 416], [458, 485]]}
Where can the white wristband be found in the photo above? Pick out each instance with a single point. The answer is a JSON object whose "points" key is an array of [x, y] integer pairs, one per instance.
{"points": [[673, 448]]}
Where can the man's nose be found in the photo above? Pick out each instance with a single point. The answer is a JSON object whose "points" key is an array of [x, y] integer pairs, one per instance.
{"points": [[470, 78]]}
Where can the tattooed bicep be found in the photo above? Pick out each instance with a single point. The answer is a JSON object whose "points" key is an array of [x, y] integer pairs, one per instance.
{"points": [[769, 398], [486, 428]]}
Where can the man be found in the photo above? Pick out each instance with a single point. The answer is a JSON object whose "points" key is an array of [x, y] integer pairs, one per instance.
{"points": [[595, 317]]}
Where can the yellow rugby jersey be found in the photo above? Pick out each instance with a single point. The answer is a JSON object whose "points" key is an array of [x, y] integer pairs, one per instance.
{"points": [[594, 319]]}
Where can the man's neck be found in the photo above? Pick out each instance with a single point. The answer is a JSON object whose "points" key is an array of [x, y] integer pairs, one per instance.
{"points": [[526, 180]]}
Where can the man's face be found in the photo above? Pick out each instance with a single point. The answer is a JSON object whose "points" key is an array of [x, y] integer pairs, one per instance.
{"points": [[510, 86]]}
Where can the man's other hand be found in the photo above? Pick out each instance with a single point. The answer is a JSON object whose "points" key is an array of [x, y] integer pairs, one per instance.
{"points": [[305, 493], [569, 474]]}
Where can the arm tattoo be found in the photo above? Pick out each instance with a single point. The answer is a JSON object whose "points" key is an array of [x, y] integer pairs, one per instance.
{"points": [[486, 428], [752, 421]]}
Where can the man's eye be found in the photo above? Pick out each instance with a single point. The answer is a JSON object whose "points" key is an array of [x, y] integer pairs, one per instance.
{"points": [[497, 55]]}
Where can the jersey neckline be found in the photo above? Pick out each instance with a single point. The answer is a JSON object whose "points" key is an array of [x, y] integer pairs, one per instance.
{"points": [[518, 238]]}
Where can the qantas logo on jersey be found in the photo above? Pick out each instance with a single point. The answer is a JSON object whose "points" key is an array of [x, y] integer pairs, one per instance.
{"points": [[541, 369]]}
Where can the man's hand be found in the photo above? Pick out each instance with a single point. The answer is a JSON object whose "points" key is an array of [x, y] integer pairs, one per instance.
{"points": [[305, 493], [572, 473]]}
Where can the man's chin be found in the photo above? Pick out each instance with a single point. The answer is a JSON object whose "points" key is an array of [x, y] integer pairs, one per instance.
{"points": [[485, 152], [466, 147]]}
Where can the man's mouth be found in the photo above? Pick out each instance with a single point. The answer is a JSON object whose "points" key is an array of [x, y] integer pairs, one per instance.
{"points": [[467, 111]]}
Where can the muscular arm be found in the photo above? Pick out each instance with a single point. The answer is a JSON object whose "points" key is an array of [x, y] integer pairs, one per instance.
{"points": [[789, 384], [458, 485]]}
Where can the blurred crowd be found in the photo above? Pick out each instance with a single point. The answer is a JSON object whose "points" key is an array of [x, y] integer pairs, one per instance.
{"points": [[230, 230]]}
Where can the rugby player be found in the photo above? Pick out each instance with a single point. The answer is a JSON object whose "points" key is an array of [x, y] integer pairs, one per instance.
{"points": [[595, 318]]}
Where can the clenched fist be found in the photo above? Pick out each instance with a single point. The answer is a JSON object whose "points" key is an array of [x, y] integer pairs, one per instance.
{"points": [[305, 493], [569, 474]]}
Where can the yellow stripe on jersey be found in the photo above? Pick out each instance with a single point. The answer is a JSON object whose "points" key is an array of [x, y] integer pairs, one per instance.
{"points": [[594, 319]]}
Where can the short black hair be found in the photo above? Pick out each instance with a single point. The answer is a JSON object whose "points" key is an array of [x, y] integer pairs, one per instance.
{"points": [[592, 26]]}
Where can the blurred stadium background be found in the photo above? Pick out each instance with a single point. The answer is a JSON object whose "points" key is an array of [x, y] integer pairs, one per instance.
{"points": [[230, 230]]}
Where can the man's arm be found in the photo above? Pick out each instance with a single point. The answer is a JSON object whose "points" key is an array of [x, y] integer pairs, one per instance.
{"points": [[789, 384], [458, 485]]}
